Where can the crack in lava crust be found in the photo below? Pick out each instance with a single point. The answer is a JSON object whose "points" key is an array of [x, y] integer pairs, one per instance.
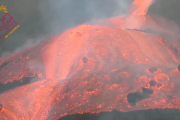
{"points": [[91, 69]]}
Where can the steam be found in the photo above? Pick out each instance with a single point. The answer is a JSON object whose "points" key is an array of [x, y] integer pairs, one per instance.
{"points": [[72, 13]]}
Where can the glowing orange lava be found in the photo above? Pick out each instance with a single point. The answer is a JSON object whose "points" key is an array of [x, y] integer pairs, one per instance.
{"points": [[93, 68], [140, 7]]}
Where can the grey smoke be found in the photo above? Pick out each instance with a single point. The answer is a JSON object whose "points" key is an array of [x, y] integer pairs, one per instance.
{"points": [[41, 18]]}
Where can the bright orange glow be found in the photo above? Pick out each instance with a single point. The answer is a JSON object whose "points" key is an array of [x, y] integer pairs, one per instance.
{"points": [[140, 7]]}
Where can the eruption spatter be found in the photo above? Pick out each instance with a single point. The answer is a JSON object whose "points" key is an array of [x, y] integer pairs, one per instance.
{"points": [[90, 69]]}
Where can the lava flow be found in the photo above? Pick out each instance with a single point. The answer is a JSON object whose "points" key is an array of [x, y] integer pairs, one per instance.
{"points": [[95, 67]]}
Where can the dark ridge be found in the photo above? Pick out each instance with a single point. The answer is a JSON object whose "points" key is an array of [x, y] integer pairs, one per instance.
{"points": [[176, 53], [147, 90], [152, 114], [17, 83], [152, 83], [135, 97], [148, 31], [4, 65]]}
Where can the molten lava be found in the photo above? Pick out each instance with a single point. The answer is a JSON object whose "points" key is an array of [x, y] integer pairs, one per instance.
{"points": [[96, 67], [140, 7]]}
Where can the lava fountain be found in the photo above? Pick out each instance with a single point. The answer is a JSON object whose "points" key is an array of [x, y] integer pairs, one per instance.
{"points": [[140, 7], [125, 63]]}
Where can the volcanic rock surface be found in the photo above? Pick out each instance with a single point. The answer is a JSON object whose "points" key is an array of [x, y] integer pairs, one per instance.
{"points": [[95, 67]]}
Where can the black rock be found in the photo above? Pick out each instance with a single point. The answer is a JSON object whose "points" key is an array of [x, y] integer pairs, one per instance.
{"points": [[135, 97], [147, 90], [1, 106], [4, 65], [153, 69], [175, 51], [179, 67], [152, 83], [85, 60]]}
